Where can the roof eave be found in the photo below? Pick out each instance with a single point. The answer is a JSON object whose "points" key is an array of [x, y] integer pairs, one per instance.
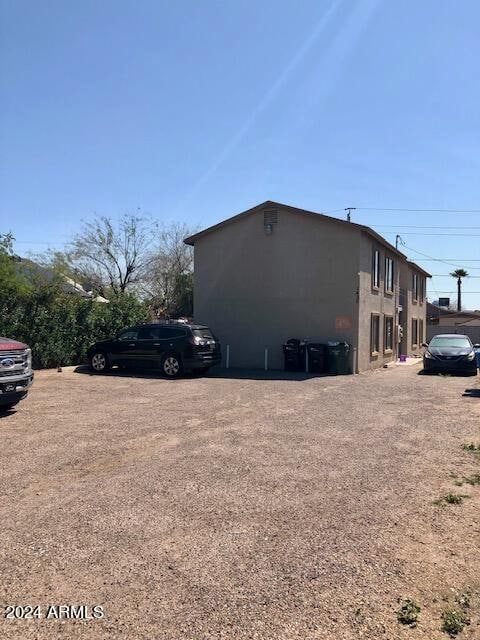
{"points": [[415, 265]]}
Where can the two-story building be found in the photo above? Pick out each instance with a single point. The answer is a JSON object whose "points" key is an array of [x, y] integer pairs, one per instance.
{"points": [[276, 272]]}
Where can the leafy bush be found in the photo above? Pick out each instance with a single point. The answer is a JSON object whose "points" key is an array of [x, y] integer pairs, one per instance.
{"points": [[59, 327], [408, 613], [453, 621]]}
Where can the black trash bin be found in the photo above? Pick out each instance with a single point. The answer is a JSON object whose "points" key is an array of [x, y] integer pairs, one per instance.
{"points": [[294, 355], [338, 356], [317, 357]]}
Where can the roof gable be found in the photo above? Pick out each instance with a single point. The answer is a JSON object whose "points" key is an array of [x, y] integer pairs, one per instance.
{"points": [[297, 211]]}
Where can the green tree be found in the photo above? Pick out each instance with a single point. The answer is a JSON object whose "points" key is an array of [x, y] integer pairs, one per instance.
{"points": [[59, 326], [459, 274], [12, 282]]}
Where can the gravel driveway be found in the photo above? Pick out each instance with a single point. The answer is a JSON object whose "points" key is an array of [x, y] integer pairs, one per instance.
{"points": [[239, 508]]}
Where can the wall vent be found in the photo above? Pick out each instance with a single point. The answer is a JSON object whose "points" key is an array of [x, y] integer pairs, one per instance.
{"points": [[270, 217]]}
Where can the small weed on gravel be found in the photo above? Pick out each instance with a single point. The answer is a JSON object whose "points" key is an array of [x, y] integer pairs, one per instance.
{"points": [[472, 480], [408, 613], [471, 446], [463, 599], [451, 498], [454, 621]]}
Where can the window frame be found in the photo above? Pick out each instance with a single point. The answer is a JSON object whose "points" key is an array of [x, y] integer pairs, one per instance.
{"points": [[374, 318], [376, 269], [420, 331], [389, 275], [414, 287], [422, 289], [387, 319]]}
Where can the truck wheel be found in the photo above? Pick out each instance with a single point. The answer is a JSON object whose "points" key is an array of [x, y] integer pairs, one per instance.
{"points": [[172, 365], [99, 362]]}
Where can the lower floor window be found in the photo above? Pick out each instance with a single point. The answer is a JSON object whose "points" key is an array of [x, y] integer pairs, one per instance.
{"points": [[420, 332], [375, 333], [414, 332], [388, 333]]}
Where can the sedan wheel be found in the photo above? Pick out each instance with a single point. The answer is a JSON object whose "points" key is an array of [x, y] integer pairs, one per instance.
{"points": [[99, 362], [171, 366]]}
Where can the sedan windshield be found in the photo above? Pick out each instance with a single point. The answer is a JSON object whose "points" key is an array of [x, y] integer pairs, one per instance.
{"points": [[458, 342]]}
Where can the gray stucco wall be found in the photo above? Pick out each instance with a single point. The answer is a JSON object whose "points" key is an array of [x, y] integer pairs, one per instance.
{"points": [[257, 290], [411, 309], [374, 301]]}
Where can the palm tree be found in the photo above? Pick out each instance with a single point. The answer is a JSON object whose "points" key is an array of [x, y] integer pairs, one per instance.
{"points": [[459, 274]]}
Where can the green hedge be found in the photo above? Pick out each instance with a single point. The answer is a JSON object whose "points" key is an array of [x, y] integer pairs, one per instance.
{"points": [[60, 327]]}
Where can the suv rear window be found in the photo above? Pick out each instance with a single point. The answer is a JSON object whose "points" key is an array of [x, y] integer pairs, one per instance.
{"points": [[160, 333]]}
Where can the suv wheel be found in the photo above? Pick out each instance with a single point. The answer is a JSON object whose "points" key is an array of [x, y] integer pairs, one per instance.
{"points": [[172, 366], [99, 362], [7, 407]]}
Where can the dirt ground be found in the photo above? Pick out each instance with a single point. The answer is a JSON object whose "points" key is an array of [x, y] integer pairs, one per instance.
{"points": [[239, 507]]}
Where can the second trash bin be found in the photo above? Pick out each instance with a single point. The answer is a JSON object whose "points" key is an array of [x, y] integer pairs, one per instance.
{"points": [[338, 358], [294, 355], [317, 357]]}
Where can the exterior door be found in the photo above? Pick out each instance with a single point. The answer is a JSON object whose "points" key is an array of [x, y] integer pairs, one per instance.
{"points": [[154, 342], [123, 349], [150, 346]]}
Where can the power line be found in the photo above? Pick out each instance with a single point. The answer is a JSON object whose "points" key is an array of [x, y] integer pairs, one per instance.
{"points": [[448, 235], [445, 260], [411, 226], [386, 209]]}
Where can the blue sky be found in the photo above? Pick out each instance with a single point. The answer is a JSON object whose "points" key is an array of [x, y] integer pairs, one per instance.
{"points": [[196, 110]]}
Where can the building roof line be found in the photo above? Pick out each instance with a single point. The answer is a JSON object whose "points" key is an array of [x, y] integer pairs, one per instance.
{"points": [[269, 203]]}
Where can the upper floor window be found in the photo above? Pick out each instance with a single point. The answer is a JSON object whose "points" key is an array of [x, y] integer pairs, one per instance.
{"points": [[389, 277], [415, 285], [376, 269], [422, 289]]}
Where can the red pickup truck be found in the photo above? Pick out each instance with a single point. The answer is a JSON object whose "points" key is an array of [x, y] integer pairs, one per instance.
{"points": [[16, 375]]}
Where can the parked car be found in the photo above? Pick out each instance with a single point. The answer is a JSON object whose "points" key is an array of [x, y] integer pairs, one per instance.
{"points": [[16, 375], [450, 352], [172, 347]]}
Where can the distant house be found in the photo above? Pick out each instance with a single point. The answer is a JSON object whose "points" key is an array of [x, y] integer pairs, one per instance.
{"points": [[35, 272], [276, 272], [440, 317]]}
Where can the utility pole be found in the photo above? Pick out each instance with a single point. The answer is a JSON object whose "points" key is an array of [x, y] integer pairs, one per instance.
{"points": [[349, 212], [398, 239]]}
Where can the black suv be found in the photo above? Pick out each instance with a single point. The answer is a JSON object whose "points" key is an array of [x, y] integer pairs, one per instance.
{"points": [[172, 347]]}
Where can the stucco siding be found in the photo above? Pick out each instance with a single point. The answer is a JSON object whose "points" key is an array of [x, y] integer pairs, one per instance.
{"points": [[412, 310], [256, 290], [374, 301]]}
